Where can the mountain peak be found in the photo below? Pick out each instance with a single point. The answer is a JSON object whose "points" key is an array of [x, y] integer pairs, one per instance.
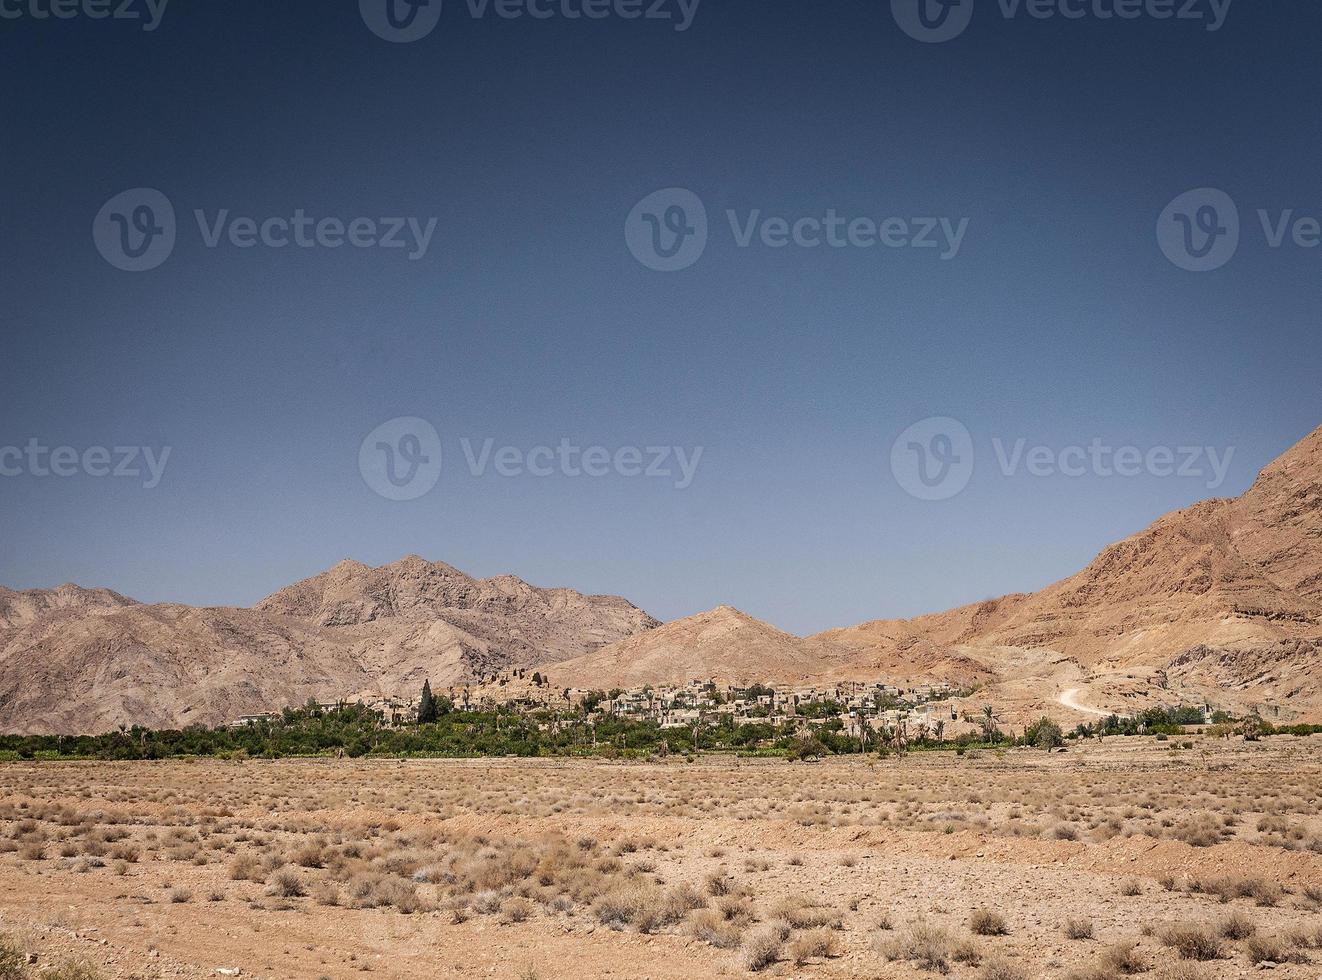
{"points": [[17, 608], [721, 644], [349, 565], [1302, 461], [417, 564]]}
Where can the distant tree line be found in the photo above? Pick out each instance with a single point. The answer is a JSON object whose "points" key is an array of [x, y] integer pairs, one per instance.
{"points": [[440, 731]]}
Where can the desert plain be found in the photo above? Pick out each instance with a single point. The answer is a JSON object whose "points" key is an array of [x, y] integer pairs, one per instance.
{"points": [[1185, 858]]}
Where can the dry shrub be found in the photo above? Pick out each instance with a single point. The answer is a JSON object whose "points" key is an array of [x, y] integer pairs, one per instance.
{"points": [[735, 908], [1131, 887], [396, 892], [515, 910], [126, 852], [326, 893], [1237, 925], [1078, 928], [931, 947], [984, 922], [1191, 942], [711, 927], [486, 903], [1270, 949], [1202, 830], [802, 913], [651, 908], [13, 962], [285, 884], [1181, 970], [245, 867], [997, 968], [718, 883], [814, 944], [1305, 936], [311, 855], [621, 906], [964, 951], [762, 948], [1122, 958], [1263, 892]]}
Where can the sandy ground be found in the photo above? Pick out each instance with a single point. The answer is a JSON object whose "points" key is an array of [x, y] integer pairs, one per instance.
{"points": [[1132, 835]]}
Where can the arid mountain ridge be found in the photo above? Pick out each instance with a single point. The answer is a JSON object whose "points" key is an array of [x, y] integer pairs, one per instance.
{"points": [[1220, 602], [77, 660]]}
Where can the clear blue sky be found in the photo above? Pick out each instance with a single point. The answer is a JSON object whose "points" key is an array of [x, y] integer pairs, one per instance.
{"points": [[528, 321]]}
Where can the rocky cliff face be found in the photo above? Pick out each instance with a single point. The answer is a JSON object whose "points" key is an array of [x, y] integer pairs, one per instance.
{"points": [[1243, 576]]}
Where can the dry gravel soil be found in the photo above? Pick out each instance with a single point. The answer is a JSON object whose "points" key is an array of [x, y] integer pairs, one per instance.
{"points": [[1164, 853]]}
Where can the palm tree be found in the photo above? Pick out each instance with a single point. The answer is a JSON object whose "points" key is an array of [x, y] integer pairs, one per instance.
{"points": [[900, 734]]}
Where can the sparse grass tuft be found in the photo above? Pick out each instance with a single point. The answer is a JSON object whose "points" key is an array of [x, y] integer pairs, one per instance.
{"points": [[984, 922], [762, 948], [1237, 925], [1078, 928], [997, 968], [13, 963], [814, 944], [1191, 942], [285, 884]]}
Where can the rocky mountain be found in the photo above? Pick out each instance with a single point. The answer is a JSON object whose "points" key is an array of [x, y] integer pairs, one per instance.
{"points": [[723, 644], [1220, 602], [77, 660], [504, 618], [1241, 578], [20, 608]]}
